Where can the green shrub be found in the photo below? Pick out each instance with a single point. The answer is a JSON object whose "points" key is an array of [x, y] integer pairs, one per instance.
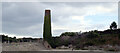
{"points": [[68, 34], [92, 35]]}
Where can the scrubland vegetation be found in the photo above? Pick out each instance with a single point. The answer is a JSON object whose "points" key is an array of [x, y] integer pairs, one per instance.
{"points": [[107, 40]]}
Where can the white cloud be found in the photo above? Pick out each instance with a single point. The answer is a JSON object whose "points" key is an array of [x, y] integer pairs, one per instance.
{"points": [[79, 18]]}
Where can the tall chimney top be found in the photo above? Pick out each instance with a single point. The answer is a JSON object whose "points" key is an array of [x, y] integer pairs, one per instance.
{"points": [[47, 12]]}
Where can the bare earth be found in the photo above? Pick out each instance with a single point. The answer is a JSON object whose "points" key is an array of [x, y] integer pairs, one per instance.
{"points": [[23, 46], [36, 46]]}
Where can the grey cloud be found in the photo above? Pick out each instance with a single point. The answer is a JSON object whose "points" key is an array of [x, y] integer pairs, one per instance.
{"points": [[26, 18], [0, 17], [60, 0], [19, 17], [119, 14], [58, 32]]}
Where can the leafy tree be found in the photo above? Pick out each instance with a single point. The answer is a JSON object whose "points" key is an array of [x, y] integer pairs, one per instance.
{"points": [[113, 26]]}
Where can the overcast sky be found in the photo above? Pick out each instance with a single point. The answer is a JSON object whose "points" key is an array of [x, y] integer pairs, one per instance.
{"points": [[26, 18]]}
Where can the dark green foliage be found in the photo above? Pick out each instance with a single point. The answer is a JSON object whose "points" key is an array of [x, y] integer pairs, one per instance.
{"points": [[91, 38], [119, 36], [92, 35], [89, 43], [8, 39], [56, 42], [66, 42], [68, 34], [113, 26]]}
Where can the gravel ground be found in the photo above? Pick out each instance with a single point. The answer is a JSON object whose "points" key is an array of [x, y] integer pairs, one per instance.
{"points": [[24, 46], [39, 48]]}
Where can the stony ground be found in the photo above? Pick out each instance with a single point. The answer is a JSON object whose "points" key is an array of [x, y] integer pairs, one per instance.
{"points": [[36, 46], [23, 46]]}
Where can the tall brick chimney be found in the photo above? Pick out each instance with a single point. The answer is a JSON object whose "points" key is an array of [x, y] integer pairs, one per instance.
{"points": [[47, 35]]}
